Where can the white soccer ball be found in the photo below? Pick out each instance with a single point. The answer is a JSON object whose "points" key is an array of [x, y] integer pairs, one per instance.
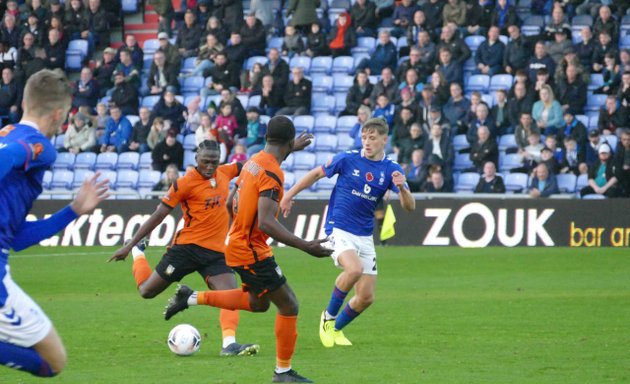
{"points": [[184, 340]]}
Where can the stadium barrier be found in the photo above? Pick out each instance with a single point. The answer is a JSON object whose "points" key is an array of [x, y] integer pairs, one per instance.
{"points": [[436, 222]]}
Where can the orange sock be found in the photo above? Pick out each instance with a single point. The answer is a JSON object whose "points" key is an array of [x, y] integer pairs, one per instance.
{"points": [[286, 337], [229, 322], [228, 299], [141, 270]]}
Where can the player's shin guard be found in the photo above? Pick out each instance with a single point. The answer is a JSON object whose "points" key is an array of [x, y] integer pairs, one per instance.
{"points": [[336, 301], [141, 270], [229, 322], [286, 337], [24, 359], [347, 315], [229, 299]]}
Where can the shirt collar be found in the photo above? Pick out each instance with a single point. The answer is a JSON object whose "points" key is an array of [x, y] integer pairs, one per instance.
{"points": [[29, 123], [363, 155]]}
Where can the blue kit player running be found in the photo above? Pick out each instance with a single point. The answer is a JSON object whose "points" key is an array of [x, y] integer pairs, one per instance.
{"points": [[363, 179], [28, 341]]}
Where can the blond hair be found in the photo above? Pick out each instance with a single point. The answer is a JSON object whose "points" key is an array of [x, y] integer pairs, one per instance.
{"points": [[45, 92], [552, 97], [377, 124]]}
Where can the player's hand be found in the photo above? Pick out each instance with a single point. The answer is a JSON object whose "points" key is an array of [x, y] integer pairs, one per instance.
{"points": [[91, 193], [121, 254], [285, 206], [314, 248], [302, 141], [399, 179]]}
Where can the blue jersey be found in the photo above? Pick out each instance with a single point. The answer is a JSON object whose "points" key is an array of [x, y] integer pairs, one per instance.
{"points": [[361, 185], [22, 183]]}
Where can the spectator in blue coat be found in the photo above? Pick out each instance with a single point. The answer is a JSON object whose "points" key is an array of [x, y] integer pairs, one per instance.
{"points": [[543, 183], [489, 55], [540, 60], [85, 90], [384, 55], [456, 109], [118, 131], [363, 114], [385, 109], [451, 69], [403, 16]]}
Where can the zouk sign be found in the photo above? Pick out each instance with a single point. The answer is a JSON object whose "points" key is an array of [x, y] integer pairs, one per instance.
{"points": [[437, 222]]}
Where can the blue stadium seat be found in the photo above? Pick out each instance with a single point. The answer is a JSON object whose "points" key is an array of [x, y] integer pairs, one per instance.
{"points": [[150, 46], [74, 62], [583, 118], [110, 176], [462, 162], [303, 161], [189, 159], [106, 160], [612, 141], [127, 178], [474, 41], [147, 60], [65, 160], [344, 142], [130, 6], [289, 180], [148, 179], [325, 104], [47, 179], [340, 102], [190, 142], [85, 160], [249, 64], [61, 178], [304, 123], [624, 42], [325, 124], [128, 160], [342, 82], [59, 140], [287, 164], [80, 175], [566, 182], [536, 20], [146, 162], [79, 46], [133, 119], [254, 101], [322, 83], [581, 182], [321, 158], [325, 142], [244, 99], [364, 45], [301, 61], [594, 196], [321, 64], [275, 42], [582, 20], [530, 30], [593, 120], [467, 181], [192, 85], [477, 83], [325, 184], [509, 161], [460, 143], [343, 64], [469, 66], [516, 182], [501, 82], [506, 142], [402, 42], [595, 102], [149, 101], [596, 80], [188, 65], [345, 124]]}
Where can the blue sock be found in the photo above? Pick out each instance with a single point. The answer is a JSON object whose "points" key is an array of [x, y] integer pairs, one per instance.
{"points": [[336, 301], [24, 359], [347, 315]]}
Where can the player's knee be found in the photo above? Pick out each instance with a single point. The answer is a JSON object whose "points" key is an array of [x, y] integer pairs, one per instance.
{"points": [[147, 293], [366, 299], [290, 308], [58, 363], [354, 272], [259, 306]]}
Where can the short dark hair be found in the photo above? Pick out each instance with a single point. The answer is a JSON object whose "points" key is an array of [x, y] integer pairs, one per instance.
{"points": [[280, 130]]}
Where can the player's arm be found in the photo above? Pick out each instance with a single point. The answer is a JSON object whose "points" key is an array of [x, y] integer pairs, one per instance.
{"points": [[12, 156], [267, 222], [156, 218], [88, 197], [305, 182], [406, 198]]}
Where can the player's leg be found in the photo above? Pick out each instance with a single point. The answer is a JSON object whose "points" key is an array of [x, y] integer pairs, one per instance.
{"points": [[363, 298], [148, 282], [46, 358]]}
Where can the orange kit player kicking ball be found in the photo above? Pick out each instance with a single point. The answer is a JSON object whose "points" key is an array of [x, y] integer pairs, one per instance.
{"points": [[255, 207], [200, 245]]}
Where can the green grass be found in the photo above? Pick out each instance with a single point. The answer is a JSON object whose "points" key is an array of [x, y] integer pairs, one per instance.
{"points": [[442, 315]]}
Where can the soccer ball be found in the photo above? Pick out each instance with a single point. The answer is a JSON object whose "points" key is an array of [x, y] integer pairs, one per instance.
{"points": [[184, 340]]}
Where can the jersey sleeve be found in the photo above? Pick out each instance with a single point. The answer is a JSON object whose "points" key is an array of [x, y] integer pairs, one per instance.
{"points": [[231, 170], [39, 152], [335, 165], [176, 193], [270, 185], [393, 168]]}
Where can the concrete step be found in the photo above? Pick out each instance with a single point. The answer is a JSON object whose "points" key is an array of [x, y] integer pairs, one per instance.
{"points": [[141, 27]]}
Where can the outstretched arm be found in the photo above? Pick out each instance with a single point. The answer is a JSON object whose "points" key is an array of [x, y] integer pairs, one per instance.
{"points": [[305, 182], [156, 218]]}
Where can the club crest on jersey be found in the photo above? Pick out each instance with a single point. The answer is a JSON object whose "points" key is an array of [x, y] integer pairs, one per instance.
{"points": [[37, 149], [367, 189], [355, 172], [381, 180], [369, 177]]}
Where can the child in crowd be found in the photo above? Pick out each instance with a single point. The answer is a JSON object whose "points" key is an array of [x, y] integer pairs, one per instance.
{"points": [[385, 110], [292, 44], [239, 154]]}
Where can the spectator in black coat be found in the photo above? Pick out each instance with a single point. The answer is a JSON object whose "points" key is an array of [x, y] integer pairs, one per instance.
{"points": [[543, 183], [437, 183], [235, 50], [125, 95], [484, 149], [585, 48], [316, 44], [459, 49], [478, 15], [55, 10], [622, 163], [76, 23], [433, 13], [571, 91], [85, 91], [55, 51], [363, 15], [104, 71], [138, 141], [132, 46], [253, 36], [489, 55], [10, 96], [503, 16], [278, 68], [230, 11], [171, 110], [271, 97], [10, 31], [358, 94], [575, 129], [297, 97], [490, 182], [415, 141], [608, 185], [481, 119], [539, 61], [188, 36], [225, 75], [413, 62], [603, 46], [98, 25], [517, 52], [168, 151], [611, 117], [605, 22], [34, 26], [161, 75]]}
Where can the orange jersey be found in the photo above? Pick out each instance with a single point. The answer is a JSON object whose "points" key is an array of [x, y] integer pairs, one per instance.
{"points": [[206, 218], [261, 176]]}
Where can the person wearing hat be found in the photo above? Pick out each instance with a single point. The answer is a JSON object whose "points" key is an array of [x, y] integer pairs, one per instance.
{"points": [[80, 135], [170, 109], [256, 131], [125, 95], [104, 71], [173, 58], [168, 151], [602, 176], [557, 23], [558, 45], [543, 183]]}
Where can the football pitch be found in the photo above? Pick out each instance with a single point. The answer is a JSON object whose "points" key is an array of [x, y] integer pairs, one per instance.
{"points": [[442, 315]]}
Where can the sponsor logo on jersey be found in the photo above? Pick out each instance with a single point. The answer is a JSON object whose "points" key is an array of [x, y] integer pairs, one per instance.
{"points": [[369, 177], [362, 195], [367, 189], [355, 173], [169, 270]]}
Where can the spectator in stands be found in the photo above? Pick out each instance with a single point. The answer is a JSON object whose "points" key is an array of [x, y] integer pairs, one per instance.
{"points": [[227, 97], [36, 8], [605, 22], [539, 61], [449, 39], [214, 27], [80, 136], [56, 23], [188, 36], [441, 88], [98, 25], [100, 120], [624, 60], [231, 12], [253, 36], [602, 176], [385, 110], [33, 26], [76, 21], [490, 182], [235, 51], [603, 46], [128, 69], [623, 94], [24, 55], [165, 11], [575, 129], [262, 11], [409, 145], [161, 75], [418, 25], [478, 14], [304, 12], [85, 90], [611, 76], [416, 171], [517, 51], [342, 37], [585, 48], [436, 183], [54, 10], [475, 100], [278, 68], [297, 96], [358, 94], [622, 163], [412, 86], [504, 16], [8, 56], [363, 114], [557, 23], [10, 96], [206, 130], [433, 13], [256, 131], [384, 55], [403, 17], [543, 78], [194, 116], [400, 130], [451, 69], [524, 130], [117, 132], [571, 157], [141, 129], [572, 91], [225, 75], [570, 58], [499, 113], [132, 46], [558, 46], [531, 154], [547, 112], [439, 145], [170, 176], [412, 62], [103, 73], [363, 15], [271, 97], [292, 43], [171, 52], [611, 117], [239, 154], [407, 100], [426, 50], [455, 110], [489, 55], [316, 44], [455, 12], [543, 183], [427, 97], [171, 110], [594, 142], [10, 32], [226, 123], [168, 151], [435, 117], [251, 81], [207, 55], [202, 13], [482, 119], [386, 85], [551, 154], [55, 51]]}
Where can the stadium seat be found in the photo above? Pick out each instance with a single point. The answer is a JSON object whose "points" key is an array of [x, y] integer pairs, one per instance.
{"points": [[109, 175], [402, 42], [304, 123], [149, 101], [364, 45], [287, 164], [150, 46], [509, 161], [594, 196], [612, 140], [566, 182], [303, 161], [469, 67], [344, 142], [506, 142], [133, 119], [148, 179], [460, 143], [624, 42], [61, 178], [188, 64], [596, 80], [582, 20], [325, 142], [47, 179], [130, 6], [192, 85], [147, 60], [321, 158], [301, 61], [325, 124], [322, 83], [516, 182], [343, 64], [595, 102], [530, 30], [254, 101], [243, 98], [190, 142], [324, 184], [275, 42], [249, 64], [289, 180], [536, 20], [593, 120], [342, 82], [501, 82], [79, 46], [345, 123], [59, 139], [462, 162], [321, 64], [126, 178], [340, 102], [467, 181], [80, 175], [189, 159], [74, 62], [373, 79], [65, 160], [85, 160], [128, 160], [581, 182], [325, 104], [583, 119], [106, 160], [479, 83], [146, 162], [474, 41]]}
